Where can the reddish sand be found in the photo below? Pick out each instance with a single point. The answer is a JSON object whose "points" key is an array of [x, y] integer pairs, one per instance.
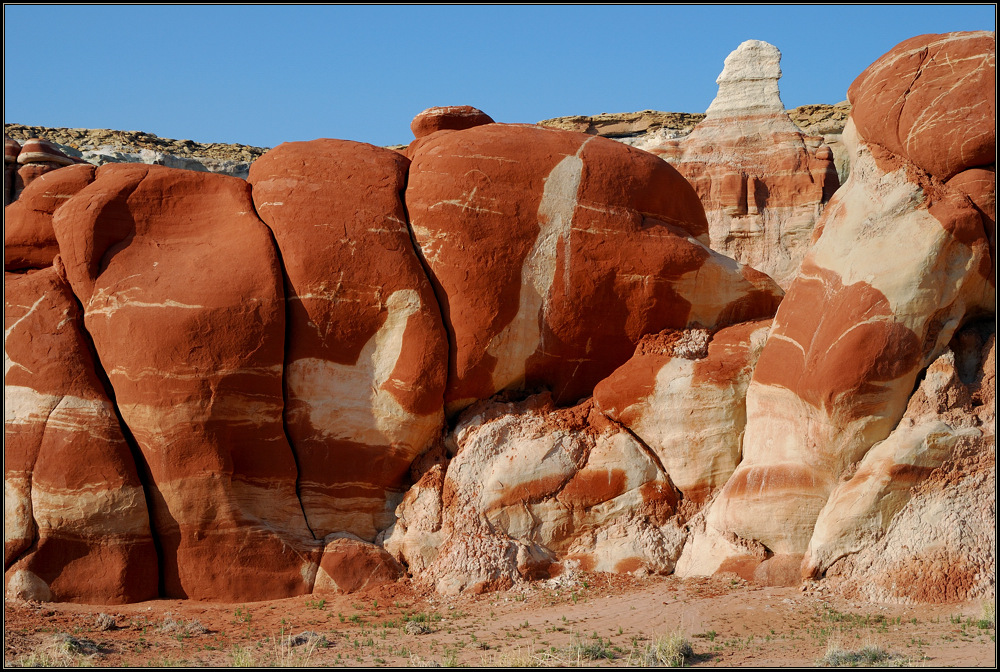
{"points": [[588, 620]]}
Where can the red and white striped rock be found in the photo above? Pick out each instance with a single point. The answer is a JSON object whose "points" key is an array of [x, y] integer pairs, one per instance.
{"points": [[762, 181], [182, 294], [447, 118], [11, 148], [685, 398], [940, 545], [76, 526], [29, 241], [944, 418], [865, 315], [36, 150], [366, 358], [552, 253], [531, 491]]}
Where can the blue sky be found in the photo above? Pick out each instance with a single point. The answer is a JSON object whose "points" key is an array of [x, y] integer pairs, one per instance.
{"points": [[262, 75]]}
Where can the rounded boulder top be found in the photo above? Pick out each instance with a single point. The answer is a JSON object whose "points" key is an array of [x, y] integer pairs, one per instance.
{"points": [[448, 118], [11, 148], [36, 150]]}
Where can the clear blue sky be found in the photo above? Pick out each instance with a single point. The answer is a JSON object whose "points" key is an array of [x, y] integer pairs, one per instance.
{"points": [[262, 75]]}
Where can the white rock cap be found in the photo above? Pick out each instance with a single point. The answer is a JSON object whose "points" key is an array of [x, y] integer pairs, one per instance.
{"points": [[748, 85]]}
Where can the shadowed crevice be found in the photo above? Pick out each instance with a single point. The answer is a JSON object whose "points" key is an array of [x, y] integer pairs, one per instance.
{"points": [[285, 292]]}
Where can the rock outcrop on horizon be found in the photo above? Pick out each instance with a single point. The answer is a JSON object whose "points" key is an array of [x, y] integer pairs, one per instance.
{"points": [[98, 146], [507, 352], [25, 163]]}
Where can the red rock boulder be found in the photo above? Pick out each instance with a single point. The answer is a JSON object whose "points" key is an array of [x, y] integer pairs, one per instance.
{"points": [[448, 118], [29, 241], [182, 294], [367, 356], [553, 253], [76, 525]]}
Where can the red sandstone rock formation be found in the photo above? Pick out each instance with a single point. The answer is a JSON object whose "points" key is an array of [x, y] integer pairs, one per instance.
{"points": [[685, 397], [861, 321], [36, 157], [76, 526], [364, 379], [182, 294], [919, 501], [450, 118], [29, 240], [278, 381], [762, 181], [532, 491], [529, 233]]}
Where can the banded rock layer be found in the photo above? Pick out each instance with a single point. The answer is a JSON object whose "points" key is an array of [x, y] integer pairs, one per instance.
{"points": [[861, 322], [762, 181]]}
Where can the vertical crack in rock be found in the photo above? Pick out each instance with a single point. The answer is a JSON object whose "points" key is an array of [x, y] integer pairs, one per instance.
{"points": [[284, 371], [142, 466], [440, 298]]}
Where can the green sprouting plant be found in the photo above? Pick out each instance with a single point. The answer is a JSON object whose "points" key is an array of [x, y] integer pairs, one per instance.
{"points": [[242, 615], [595, 650]]}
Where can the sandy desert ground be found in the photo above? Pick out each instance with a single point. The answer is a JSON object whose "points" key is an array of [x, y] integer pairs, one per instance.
{"points": [[586, 620]]}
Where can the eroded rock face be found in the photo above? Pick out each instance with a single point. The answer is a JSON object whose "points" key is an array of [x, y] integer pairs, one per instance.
{"points": [[76, 525], [860, 322], [192, 339], [925, 507], [683, 394], [528, 232], [281, 355], [946, 417], [363, 367], [531, 491], [762, 181]]}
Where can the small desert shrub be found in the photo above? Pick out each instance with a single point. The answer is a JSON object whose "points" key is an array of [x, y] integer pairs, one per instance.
{"points": [[869, 655], [416, 628], [669, 650], [989, 617], [595, 650], [62, 650], [519, 658], [242, 657], [180, 627]]}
